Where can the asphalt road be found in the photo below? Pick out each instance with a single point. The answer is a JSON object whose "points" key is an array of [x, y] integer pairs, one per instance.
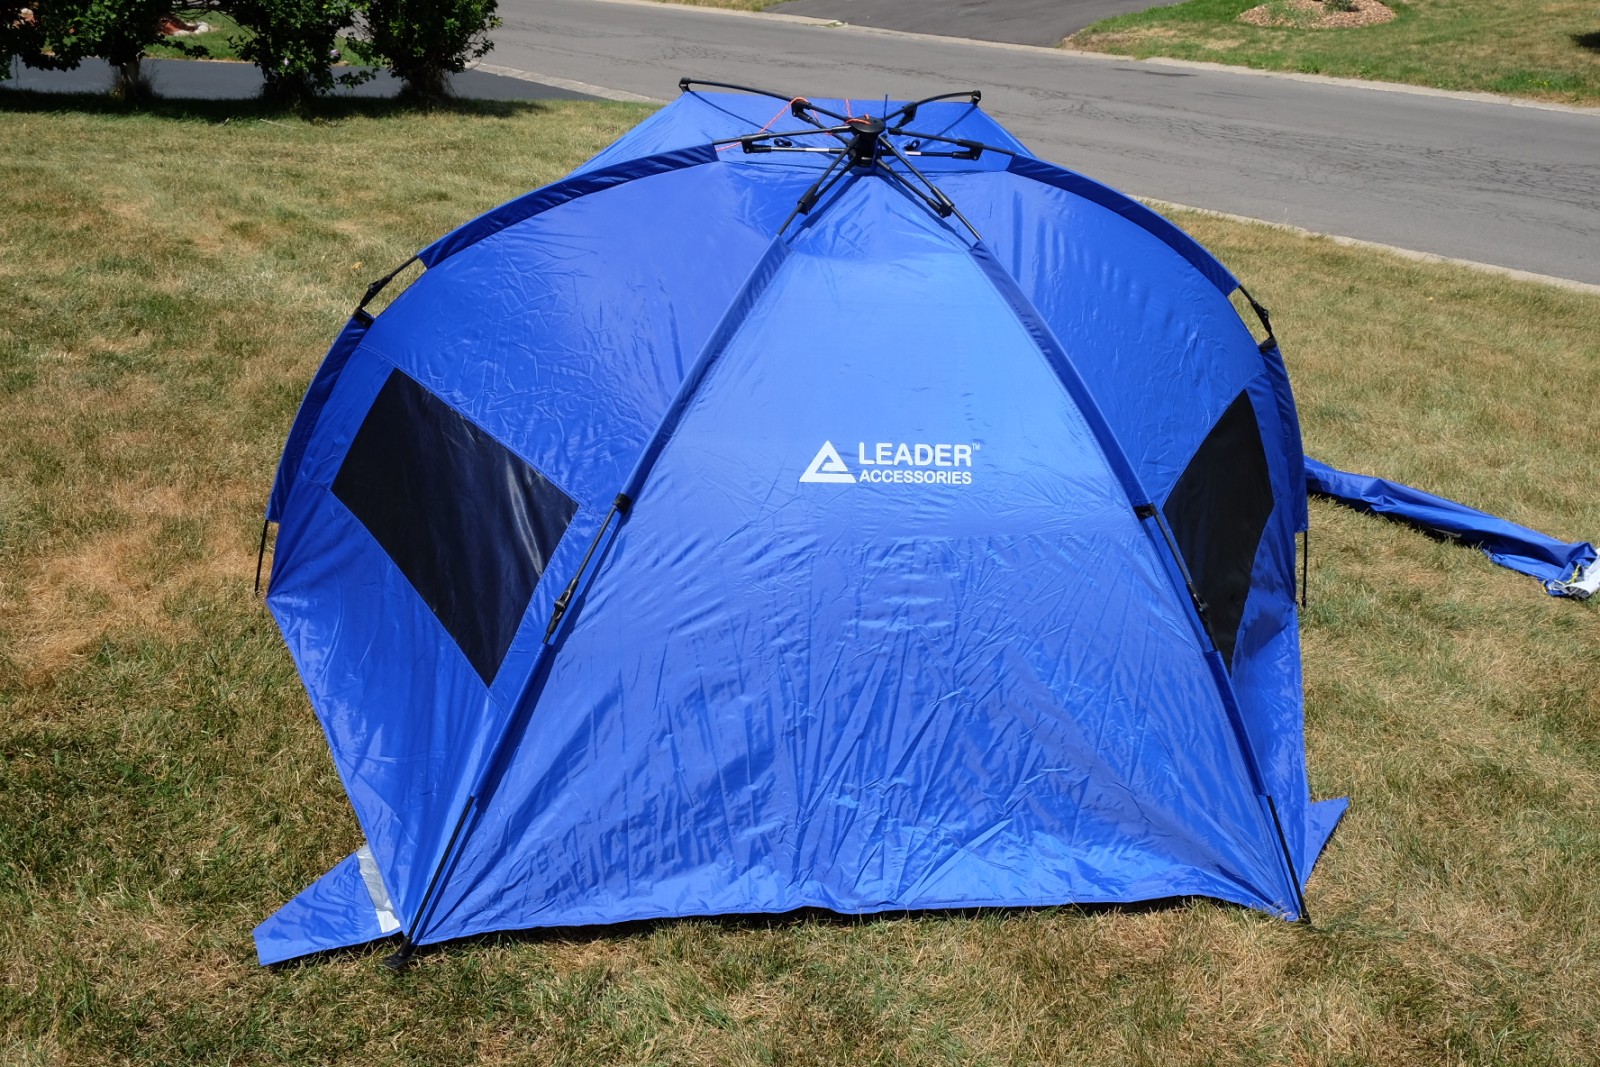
{"points": [[1513, 186], [1041, 22]]}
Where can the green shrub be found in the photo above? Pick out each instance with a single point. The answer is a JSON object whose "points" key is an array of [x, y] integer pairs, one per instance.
{"points": [[295, 44], [423, 42]]}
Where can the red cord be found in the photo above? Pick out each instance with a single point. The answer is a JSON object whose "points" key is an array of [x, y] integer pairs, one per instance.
{"points": [[768, 123]]}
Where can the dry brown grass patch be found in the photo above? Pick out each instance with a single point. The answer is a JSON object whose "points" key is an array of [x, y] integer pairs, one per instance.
{"points": [[118, 581]]}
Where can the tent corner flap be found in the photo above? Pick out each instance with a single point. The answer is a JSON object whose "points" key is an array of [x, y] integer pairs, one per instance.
{"points": [[348, 906], [1322, 818]]}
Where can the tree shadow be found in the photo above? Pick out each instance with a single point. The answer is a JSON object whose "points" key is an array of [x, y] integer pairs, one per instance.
{"points": [[1590, 41], [33, 101]]}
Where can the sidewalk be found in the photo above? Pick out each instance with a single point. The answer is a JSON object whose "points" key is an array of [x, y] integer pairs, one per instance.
{"points": [[182, 79]]}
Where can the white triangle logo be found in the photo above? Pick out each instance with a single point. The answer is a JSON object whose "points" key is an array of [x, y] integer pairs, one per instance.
{"points": [[828, 466]]}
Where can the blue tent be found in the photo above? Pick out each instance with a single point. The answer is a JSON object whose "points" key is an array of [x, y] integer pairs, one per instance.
{"points": [[797, 507]]}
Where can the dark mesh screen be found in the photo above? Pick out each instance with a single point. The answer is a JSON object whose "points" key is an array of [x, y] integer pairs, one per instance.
{"points": [[468, 523], [1217, 512]]}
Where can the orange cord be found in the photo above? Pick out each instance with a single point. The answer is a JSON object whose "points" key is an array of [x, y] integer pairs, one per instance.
{"points": [[768, 123]]}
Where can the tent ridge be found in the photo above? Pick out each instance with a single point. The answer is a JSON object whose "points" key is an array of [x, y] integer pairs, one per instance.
{"points": [[572, 188]]}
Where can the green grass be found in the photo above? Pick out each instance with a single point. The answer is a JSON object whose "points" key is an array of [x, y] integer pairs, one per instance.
{"points": [[1547, 49], [163, 785], [220, 42]]}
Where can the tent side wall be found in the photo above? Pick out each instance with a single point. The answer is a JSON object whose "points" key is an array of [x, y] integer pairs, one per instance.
{"points": [[545, 349], [1206, 416]]}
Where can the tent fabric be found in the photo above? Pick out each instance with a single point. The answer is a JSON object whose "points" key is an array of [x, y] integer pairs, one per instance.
{"points": [[347, 906], [646, 558], [1566, 568]]}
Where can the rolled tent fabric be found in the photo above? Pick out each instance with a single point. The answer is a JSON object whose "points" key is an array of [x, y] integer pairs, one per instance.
{"points": [[1566, 568]]}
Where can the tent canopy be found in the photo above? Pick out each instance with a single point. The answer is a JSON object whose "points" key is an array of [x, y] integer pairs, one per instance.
{"points": [[864, 515]]}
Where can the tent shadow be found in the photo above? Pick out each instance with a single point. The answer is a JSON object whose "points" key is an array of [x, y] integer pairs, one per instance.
{"points": [[380, 950], [229, 110], [790, 920], [1590, 41], [1437, 536]]}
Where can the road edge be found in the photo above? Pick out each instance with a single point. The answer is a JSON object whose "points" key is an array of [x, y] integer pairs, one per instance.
{"points": [[1511, 273], [1106, 57]]}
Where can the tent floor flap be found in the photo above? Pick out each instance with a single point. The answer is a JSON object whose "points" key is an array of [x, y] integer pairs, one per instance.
{"points": [[1322, 818]]}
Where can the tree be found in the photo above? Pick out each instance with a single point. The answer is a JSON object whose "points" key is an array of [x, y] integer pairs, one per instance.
{"points": [[423, 42], [295, 44], [21, 35], [60, 34]]}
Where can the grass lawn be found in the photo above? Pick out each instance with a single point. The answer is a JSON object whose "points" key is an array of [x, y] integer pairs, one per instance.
{"points": [[1548, 49], [164, 786], [218, 41]]}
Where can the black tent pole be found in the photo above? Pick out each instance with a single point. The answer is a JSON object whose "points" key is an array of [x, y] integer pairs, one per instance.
{"points": [[908, 112], [1288, 858], [261, 553], [402, 958], [1305, 564]]}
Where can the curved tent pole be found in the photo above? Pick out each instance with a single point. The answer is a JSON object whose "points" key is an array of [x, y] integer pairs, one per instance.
{"points": [[261, 554], [377, 287], [908, 112], [1266, 319], [364, 318], [519, 210], [1264, 346], [685, 82]]}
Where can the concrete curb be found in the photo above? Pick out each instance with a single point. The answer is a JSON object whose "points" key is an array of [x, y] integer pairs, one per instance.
{"points": [[1354, 83], [1160, 205], [1512, 273]]}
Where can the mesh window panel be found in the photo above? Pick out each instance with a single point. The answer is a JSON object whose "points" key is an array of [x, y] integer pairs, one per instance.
{"points": [[1217, 512], [468, 523]]}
